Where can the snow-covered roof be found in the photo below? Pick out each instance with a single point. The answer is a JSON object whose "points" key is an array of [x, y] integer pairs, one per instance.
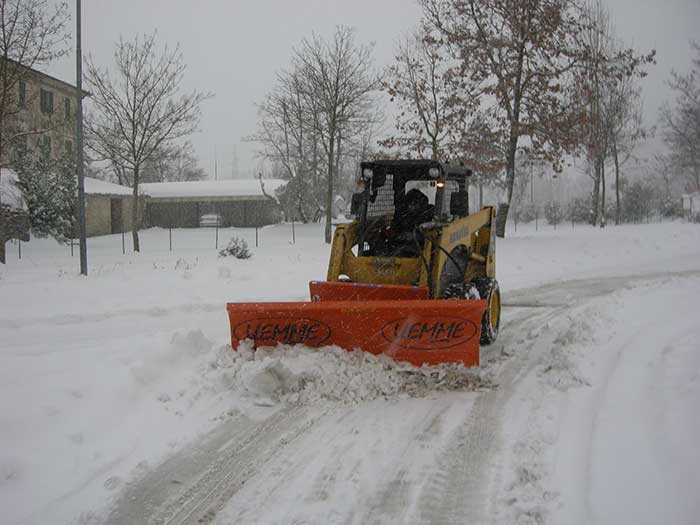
{"points": [[248, 189], [10, 195], [101, 187]]}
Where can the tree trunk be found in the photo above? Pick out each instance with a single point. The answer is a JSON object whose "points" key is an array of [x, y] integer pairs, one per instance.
{"points": [[329, 196], [595, 197], [503, 207], [2, 215], [135, 212], [337, 164], [603, 218], [617, 184]]}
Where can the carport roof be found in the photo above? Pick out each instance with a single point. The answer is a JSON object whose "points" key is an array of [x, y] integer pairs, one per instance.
{"points": [[248, 189], [101, 187]]}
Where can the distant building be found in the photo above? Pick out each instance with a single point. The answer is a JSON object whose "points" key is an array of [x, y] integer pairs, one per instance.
{"points": [[44, 106], [108, 207], [691, 204], [241, 203]]}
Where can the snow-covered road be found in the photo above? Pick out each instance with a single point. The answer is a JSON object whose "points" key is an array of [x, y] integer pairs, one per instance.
{"points": [[438, 458], [120, 402]]}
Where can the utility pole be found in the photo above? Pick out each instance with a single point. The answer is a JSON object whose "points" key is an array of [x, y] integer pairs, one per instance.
{"points": [[79, 133]]}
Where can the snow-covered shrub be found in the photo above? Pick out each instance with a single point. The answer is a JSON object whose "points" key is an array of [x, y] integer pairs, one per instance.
{"points": [[237, 248], [671, 207], [579, 210], [528, 213], [553, 212]]}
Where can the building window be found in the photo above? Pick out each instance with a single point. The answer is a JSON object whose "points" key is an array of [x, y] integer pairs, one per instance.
{"points": [[22, 94], [46, 101], [45, 146], [66, 106]]}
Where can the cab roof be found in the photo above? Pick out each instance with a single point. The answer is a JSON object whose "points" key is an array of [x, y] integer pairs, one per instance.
{"points": [[410, 168]]}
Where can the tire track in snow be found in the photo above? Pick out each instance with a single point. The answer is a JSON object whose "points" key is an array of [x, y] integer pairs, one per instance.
{"points": [[194, 484], [459, 489], [397, 490], [466, 485]]}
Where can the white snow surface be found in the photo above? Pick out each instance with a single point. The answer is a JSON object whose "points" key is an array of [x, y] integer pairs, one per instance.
{"points": [[101, 187], [114, 386], [10, 194]]}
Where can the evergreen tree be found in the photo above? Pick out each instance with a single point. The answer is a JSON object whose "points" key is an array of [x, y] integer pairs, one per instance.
{"points": [[49, 188]]}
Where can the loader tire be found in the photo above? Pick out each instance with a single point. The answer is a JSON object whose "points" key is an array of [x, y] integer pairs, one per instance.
{"points": [[490, 322]]}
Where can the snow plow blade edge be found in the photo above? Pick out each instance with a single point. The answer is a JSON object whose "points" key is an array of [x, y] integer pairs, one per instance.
{"points": [[413, 330]]}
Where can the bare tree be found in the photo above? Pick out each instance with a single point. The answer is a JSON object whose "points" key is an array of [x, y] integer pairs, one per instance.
{"points": [[32, 34], [607, 91], [173, 163], [682, 121], [337, 80], [317, 117], [140, 110], [288, 137], [623, 114]]}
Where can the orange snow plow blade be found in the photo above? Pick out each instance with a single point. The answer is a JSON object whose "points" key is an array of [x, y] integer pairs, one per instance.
{"points": [[338, 291], [418, 331]]}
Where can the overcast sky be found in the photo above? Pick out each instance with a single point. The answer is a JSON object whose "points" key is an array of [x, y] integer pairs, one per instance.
{"points": [[234, 47]]}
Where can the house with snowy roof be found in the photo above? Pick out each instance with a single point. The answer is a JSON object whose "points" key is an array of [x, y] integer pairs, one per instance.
{"points": [[240, 203], [108, 207]]}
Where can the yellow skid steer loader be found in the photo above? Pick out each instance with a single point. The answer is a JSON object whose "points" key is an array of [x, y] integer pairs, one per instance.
{"points": [[413, 276]]}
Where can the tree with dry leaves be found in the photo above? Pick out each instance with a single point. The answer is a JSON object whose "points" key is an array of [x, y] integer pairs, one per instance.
{"points": [[419, 83], [519, 53], [140, 109]]}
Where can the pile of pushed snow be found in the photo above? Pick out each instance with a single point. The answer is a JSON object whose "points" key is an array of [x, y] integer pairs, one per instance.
{"points": [[302, 375]]}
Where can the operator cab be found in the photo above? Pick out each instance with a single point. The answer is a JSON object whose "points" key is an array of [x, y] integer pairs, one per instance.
{"points": [[400, 199]]}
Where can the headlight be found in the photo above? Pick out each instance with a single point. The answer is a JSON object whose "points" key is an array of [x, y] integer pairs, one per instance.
{"points": [[434, 172]]}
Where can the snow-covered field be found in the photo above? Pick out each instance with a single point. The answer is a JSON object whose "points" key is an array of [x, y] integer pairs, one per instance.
{"points": [[120, 401]]}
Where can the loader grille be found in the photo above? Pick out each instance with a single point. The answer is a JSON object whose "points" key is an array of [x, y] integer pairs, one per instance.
{"points": [[384, 203]]}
